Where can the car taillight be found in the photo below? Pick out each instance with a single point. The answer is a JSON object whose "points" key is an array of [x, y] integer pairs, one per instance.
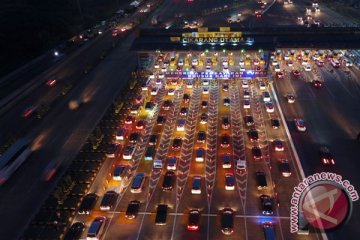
{"points": [[192, 227]]}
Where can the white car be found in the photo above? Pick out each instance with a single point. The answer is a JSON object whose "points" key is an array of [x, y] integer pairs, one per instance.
{"points": [[205, 91], [163, 69], [151, 76], [171, 92], [317, 10], [161, 75], [241, 62], [275, 62], [277, 68], [269, 107], [266, 96], [206, 82], [290, 63], [225, 63], [300, 124], [245, 84], [180, 62], [156, 66]]}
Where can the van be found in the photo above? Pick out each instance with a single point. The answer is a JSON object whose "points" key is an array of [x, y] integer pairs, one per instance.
{"points": [[137, 183], [96, 228]]}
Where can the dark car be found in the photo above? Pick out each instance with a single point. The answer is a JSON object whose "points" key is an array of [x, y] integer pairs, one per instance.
{"points": [[153, 139], [194, 220], [161, 214], [226, 101], [227, 221], [168, 181], [284, 168], [326, 156], [266, 205], [75, 231], [249, 120], [275, 123], [132, 209], [204, 104], [278, 145], [186, 97], [261, 180], [225, 141], [134, 137], [183, 111], [140, 125], [201, 137], [129, 120], [225, 87], [203, 118], [112, 150], [108, 200], [253, 135], [177, 142], [256, 152], [160, 120], [225, 122], [167, 104], [317, 83], [88, 203]]}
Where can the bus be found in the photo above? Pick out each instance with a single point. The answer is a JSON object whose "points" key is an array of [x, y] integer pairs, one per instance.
{"points": [[13, 158]]}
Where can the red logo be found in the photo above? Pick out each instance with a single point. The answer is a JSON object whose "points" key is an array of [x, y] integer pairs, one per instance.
{"points": [[325, 205]]}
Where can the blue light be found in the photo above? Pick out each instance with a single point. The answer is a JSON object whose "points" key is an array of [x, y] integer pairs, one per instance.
{"points": [[265, 219]]}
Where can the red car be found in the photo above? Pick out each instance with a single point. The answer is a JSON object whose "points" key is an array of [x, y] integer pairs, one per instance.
{"points": [[129, 120], [317, 83], [296, 73], [140, 125], [51, 82]]}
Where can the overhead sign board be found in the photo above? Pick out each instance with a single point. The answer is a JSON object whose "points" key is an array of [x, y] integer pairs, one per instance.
{"points": [[212, 37], [215, 75]]}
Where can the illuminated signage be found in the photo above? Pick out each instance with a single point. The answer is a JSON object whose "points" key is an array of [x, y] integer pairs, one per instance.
{"points": [[214, 75], [212, 37]]}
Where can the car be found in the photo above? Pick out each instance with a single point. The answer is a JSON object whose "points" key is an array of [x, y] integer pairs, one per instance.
{"points": [[225, 87], [180, 62], [134, 137], [138, 182], [120, 134], [51, 82], [173, 82], [300, 124], [154, 91], [132, 209], [277, 69], [284, 168], [226, 160], [120, 172], [180, 126], [167, 104], [204, 104], [226, 101], [153, 139], [266, 96], [201, 137], [171, 163], [203, 118], [249, 120], [290, 98], [205, 90], [257, 153], [269, 230], [275, 62], [161, 214], [160, 120], [246, 104], [275, 123], [307, 68], [75, 231], [177, 142], [186, 98], [247, 94], [88, 203], [196, 185], [161, 76], [245, 84], [317, 10], [262, 85], [296, 73], [225, 122], [200, 155], [189, 84], [158, 81], [128, 152], [96, 228], [335, 63], [28, 112], [280, 75], [129, 120], [112, 150], [168, 181], [253, 135], [134, 110], [269, 107], [261, 180], [326, 156], [225, 141], [278, 145], [227, 221], [290, 63], [266, 203], [108, 200], [150, 106], [139, 99], [317, 83], [194, 220], [320, 63], [183, 111], [229, 182], [195, 62]]}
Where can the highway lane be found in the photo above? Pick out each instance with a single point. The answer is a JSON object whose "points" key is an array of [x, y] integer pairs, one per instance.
{"points": [[63, 135], [332, 119]]}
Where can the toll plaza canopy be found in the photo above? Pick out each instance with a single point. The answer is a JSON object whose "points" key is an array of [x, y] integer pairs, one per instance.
{"points": [[247, 38]]}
